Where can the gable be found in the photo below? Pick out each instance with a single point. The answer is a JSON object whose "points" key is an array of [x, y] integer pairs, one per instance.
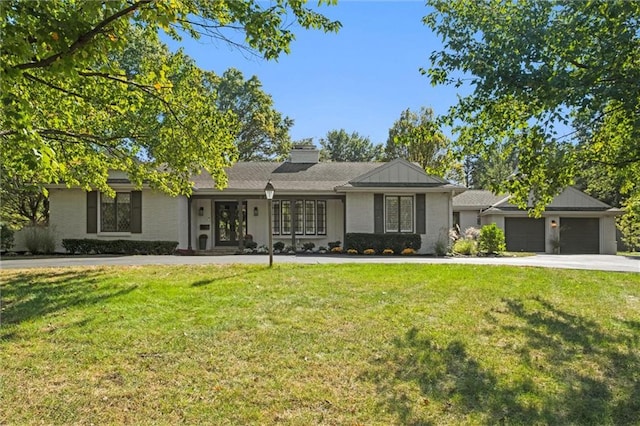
{"points": [[569, 199], [398, 172]]}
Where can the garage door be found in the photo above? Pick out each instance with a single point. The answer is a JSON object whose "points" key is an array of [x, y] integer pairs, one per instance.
{"points": [[579, 235], [524, 234]]}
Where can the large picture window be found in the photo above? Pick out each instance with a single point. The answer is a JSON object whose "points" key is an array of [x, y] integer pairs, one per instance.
{"points": [[398, 214], [309, 217], [115, 213]]}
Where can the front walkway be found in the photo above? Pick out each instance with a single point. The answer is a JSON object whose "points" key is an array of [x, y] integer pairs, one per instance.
{"points": [[592, 262]]}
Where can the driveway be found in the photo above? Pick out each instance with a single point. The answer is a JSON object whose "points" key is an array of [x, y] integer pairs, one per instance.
{"points": [[592, 262]]}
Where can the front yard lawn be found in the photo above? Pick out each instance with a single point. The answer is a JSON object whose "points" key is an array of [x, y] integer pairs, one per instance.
{"points": [[319, 344]]}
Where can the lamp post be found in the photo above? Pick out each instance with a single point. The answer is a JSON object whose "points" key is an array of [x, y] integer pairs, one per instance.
{"points": [[268, 191]]}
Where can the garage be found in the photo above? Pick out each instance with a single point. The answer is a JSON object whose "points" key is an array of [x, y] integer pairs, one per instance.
{"points": [[579, 235], [524, 234]]}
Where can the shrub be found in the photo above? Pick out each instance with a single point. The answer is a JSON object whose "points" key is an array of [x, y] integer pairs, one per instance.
{"points": [[278, 245], [289, 249], [440, 248], [39, 240], [6, 238], [465, 246], [471, 233], [308, 246], [387, 251], [250, 244], [379, 242], [322, 249], [408, 252], [89, 246], [336, 250], [352, 251], [369, 251], [491, 239], [334, 244]]}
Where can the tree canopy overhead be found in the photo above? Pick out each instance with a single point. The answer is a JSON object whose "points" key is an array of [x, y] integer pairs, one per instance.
{"points": [[87, 86], [556, 82], [416, 137], [339, 145]]}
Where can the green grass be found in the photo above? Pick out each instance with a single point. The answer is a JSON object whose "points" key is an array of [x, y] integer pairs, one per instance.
{"points": [[629, 253], [319, 344]]}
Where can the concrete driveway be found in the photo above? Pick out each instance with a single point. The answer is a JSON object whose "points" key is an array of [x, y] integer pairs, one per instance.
{"points": [[592, 262]]}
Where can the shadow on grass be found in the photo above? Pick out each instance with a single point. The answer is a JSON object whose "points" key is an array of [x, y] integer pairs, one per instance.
{"points": [[559, 368], [33, 295], [232, 273]]}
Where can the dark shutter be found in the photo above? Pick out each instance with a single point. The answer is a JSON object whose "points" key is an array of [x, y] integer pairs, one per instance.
{"points": [[378, 213], [92, 212], [136, 212], [421, 220]]}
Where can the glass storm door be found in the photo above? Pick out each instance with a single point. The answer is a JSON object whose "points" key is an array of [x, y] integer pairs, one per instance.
{"points": [[228, 223]]}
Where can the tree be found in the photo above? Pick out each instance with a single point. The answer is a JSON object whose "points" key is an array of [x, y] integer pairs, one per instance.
{"points": [[338, 145], [417, 137], [490, 170], [557, 81], [264, 132], [23, 202], [76, 105]]}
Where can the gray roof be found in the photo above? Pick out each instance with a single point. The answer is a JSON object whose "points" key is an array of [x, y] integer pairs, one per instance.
{"points": [[297, 177], [253, 176], [477, 198]]}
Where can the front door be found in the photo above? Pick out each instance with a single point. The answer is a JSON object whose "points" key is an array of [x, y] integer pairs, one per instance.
{"points": [[227, 223]]}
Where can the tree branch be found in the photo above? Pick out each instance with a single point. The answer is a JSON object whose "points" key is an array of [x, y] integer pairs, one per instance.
{"points": [[53, 86], [83, 39]]}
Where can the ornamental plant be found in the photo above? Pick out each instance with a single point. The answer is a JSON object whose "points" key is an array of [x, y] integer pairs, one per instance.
{"points": [[491, 239], [352, 251], [369, 251], [337, 249], [387, 251], [408, 252]]}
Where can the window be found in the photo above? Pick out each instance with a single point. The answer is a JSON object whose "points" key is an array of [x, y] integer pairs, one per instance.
{"points": [[275, 217], [286, 217], [115, 213], [309, 218], [399, 214], [321, 217]]}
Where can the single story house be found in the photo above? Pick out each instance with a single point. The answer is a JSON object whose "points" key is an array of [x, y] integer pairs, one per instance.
{"points": [[574, 221], [314, 201]]}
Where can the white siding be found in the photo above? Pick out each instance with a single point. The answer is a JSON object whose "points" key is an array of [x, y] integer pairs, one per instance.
{"points": [[360, 213], [608, 243], [468, 219], [68, 217], [437, 223]]}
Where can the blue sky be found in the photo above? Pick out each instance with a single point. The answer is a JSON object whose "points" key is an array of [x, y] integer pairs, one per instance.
{"points": [[359, 80]]}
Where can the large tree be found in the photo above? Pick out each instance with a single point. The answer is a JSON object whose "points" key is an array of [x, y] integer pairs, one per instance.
{"points": [[416, 137], [339, 145], [264, 132], [74, 104], [557, 81]]}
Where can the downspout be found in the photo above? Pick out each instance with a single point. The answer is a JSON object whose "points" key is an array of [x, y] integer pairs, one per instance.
{"points": [[189, 247]]}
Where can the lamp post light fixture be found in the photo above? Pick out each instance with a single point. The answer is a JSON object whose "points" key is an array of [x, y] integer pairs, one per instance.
{"points": [[268, 192]]}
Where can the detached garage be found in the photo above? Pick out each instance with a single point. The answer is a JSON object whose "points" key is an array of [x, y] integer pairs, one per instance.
{"points": [[524, 234], [579, 235]]}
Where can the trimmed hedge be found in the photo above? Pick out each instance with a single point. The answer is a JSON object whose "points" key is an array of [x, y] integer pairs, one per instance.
{"points": [[91, 246], [379, 242]]}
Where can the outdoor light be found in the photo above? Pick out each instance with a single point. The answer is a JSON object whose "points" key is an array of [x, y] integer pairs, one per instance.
{"points": [[201, 211], [255, 211], [554, 224], [268, 192]]}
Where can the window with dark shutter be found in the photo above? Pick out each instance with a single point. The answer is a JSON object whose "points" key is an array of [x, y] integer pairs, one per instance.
{"points": [[92, 212]]}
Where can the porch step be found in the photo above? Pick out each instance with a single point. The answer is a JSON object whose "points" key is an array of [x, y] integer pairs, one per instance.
{"points": [[218, 251]]}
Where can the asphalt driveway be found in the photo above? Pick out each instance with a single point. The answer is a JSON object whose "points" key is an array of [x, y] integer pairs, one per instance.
{"points": [[592, 262]]}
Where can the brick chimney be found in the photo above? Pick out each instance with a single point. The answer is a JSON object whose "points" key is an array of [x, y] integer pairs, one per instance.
{"points": [[304, 153]]}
